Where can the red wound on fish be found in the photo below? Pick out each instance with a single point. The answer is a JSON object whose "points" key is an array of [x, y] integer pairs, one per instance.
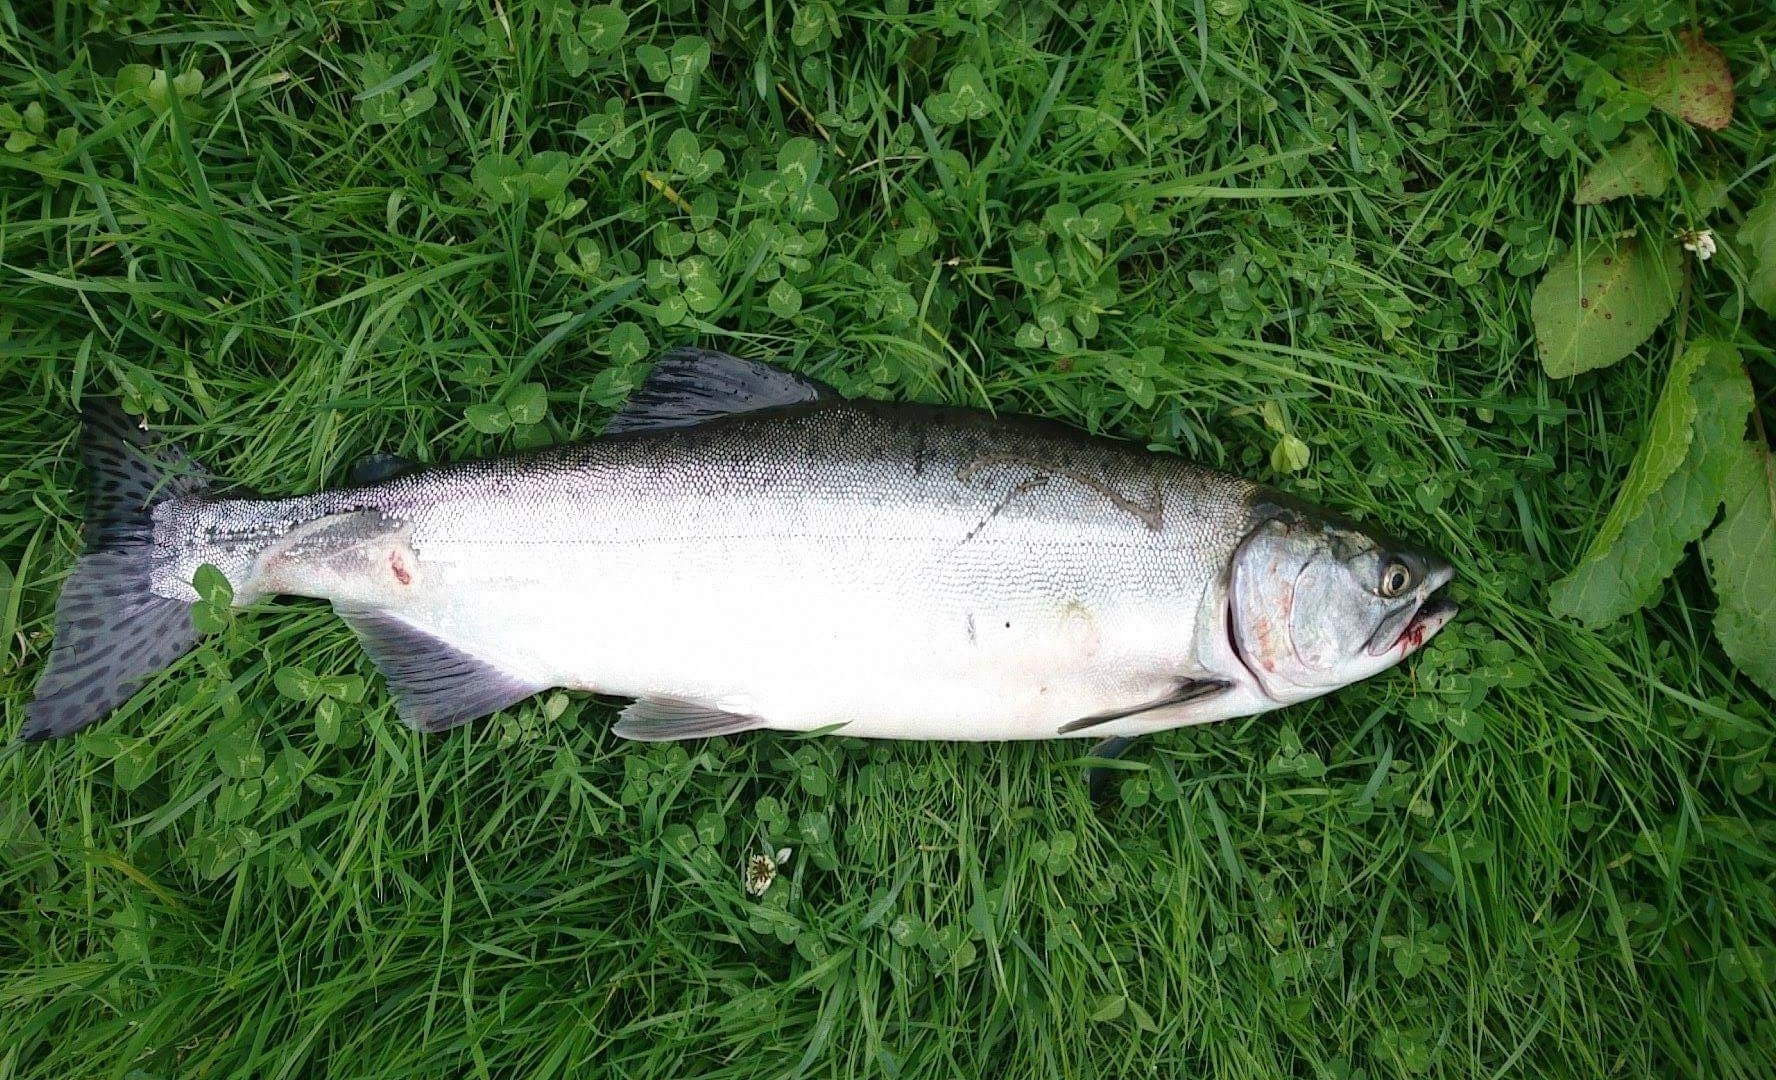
{"points": [[402, 574]]}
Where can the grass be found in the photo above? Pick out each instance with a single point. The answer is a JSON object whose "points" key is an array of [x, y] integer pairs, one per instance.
{"points": [[1213, 227]]}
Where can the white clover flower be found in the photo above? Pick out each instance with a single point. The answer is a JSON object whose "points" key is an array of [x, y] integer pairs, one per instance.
{"points": [[761, 870], [1699, 241]]}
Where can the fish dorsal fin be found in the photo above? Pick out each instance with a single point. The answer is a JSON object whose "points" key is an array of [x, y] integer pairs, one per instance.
{"points": [[689, 386]]}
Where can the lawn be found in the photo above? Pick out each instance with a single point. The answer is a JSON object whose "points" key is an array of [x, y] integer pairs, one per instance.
{"points": [[1298, 241]]}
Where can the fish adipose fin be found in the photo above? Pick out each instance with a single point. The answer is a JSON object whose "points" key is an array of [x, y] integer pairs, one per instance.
{"points": [[688, 386], [436, 686], [111, 630], [662, 719], [1188, 690], [375, 468]]}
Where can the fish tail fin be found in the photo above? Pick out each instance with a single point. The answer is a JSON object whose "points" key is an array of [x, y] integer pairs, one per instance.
{"points": [[112, 631]]}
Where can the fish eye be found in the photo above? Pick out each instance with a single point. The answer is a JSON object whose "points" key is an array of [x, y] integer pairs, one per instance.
{"points": [[1395, 579]]}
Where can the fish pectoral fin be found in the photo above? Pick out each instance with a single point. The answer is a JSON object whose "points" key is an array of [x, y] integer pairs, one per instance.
{"points": [[663, 719], [1101, 781], [436, 686], [688, 386], [1188, 690]]}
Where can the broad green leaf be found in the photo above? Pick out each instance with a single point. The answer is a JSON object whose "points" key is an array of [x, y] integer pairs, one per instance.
{"points": [[704, 210], [1635, 167], [296, 683], [785, 299], [503, 180], [682, 150], [1626, 575], [212, 586], [602, 27], [213, 611], [810, 26], [1109, 1008], [282, 779], [576, 57], [672, 311], [497, 177], [548, 174], [555, 16], [627, 343], [132, 79], [488, 419], [239, 755], [1290, 454], [235, 801], [217, 852], [815, 204], [702, 286], [1096, 223], [965, 97], [134, 765], [327, 721], [1741, 554], [346, 688], [690, 56], [662, 275], [1033, 267], [798, 161], [1666, 445], [209, 618], [654, 61], [1692, 84], [1591, 314], [679, 69], [528, 404], [1758, 234]]}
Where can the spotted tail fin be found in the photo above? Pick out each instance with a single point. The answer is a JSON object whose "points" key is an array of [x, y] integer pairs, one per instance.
{"points": [[111, 630]]}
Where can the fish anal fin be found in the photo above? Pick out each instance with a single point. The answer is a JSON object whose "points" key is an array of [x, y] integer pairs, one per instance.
{"points": [[1188, 690], [436, 686], [663, 719], [689, 386]]}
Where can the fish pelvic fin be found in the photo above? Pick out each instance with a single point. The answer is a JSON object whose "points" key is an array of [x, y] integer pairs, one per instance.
{"points": [[663, 719], [112, 631], [436, 686]]}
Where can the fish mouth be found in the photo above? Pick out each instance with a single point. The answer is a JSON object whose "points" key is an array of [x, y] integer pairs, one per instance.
{"points": [[1431, 616]]}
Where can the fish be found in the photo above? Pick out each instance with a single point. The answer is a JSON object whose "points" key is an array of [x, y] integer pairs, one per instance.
{"points": [[743, 548]]}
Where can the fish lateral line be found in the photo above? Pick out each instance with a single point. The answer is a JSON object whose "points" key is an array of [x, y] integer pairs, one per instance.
{"points": [[1149, 512]]}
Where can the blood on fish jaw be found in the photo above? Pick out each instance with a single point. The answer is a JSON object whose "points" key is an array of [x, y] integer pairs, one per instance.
{"points": [[399, 566], [1413, 637], [1431, 617]]}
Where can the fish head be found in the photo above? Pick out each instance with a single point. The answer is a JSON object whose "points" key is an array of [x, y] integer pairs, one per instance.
{"points": [[1316, 602]]}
